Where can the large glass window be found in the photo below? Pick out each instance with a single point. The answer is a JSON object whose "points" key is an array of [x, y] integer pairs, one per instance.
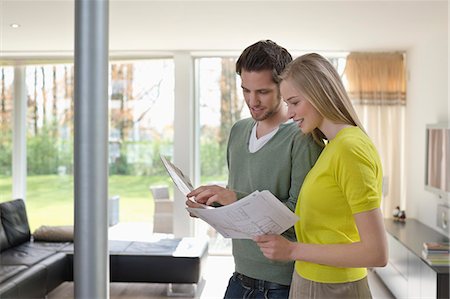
{"points": [[141, 127], [49, 194]]}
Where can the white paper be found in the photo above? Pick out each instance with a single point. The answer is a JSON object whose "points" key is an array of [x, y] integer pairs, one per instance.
{"points": [[182, 182], [259, 213]]}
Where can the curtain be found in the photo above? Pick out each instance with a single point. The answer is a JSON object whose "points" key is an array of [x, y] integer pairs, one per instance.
{"points": [[376, 85]]}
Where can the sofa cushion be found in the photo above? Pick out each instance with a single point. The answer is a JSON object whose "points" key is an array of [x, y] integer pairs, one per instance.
{"points": [[57, 268], [49, 246], [9, 290], [15, 222], [24, 255], [31, 283], [7, 272], [4, 243], [54, 233], [114, 246]]}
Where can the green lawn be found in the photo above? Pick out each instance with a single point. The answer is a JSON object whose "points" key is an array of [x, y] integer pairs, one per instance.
{"points": [[49, 198]]}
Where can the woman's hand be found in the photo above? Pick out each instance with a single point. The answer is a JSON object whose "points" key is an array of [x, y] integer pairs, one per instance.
{"points": [[210, 194], [276, 247]]}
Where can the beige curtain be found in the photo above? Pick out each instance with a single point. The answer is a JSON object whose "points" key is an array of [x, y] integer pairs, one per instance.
{"points": [[376, 85]]}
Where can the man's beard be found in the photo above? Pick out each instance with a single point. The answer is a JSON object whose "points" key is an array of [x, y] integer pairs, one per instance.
{"points": [[267, 114]]}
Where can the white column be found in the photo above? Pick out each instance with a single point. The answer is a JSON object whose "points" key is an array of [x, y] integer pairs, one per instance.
{"points": [[19, 154], [183, 153]]}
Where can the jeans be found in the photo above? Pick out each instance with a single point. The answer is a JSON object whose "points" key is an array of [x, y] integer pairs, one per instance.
{"points": [[239, 289]]}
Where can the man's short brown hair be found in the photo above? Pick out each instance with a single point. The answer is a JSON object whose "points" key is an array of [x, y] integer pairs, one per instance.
{"points": [[264, 55]]}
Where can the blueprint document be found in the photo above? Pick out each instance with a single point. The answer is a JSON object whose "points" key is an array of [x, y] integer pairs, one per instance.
{"points": [[256, 214], [259, 213]]}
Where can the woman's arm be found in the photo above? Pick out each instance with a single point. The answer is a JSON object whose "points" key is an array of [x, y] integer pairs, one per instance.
{"points": [[370, 251]]}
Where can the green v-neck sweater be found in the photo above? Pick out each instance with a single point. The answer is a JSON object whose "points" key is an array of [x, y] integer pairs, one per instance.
{"points": [[280, 166]]}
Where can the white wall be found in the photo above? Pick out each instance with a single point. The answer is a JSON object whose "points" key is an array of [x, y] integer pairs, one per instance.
{"points": [[428, 102]]}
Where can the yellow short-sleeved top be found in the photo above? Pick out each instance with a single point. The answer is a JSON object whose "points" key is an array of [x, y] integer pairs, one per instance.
{"points": [[345, 180]]}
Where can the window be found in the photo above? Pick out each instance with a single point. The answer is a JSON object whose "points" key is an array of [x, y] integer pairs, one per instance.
{"points": [[6, 121], [221, 104], [49, 144], [141, 127]]}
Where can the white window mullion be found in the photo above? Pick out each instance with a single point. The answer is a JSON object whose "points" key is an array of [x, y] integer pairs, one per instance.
{"points": [[183, 152], [19, 154]]}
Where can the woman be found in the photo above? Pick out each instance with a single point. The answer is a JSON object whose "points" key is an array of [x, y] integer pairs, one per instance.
{"points": [[340, 231]]}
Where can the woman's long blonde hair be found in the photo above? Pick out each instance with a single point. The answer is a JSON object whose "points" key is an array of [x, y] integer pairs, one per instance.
{"points": [[318, 80]]}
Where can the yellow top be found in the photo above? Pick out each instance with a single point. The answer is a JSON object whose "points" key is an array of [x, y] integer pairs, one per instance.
{"points": [[345, 180]]}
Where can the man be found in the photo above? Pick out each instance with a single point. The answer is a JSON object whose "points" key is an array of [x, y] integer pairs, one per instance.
{"points": [[265, 152]]}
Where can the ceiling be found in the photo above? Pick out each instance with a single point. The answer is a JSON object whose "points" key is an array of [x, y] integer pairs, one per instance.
{"points": [[47, 27]]}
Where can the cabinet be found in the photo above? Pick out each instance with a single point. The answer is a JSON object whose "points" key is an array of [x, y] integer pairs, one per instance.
{"points": [[407, 275]]}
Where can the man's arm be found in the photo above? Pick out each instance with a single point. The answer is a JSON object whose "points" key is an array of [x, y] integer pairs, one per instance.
{"points": [[304, 154], [213, 194]]}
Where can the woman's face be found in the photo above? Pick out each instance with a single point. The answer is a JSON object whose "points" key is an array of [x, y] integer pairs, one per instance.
{"points": [[300, 109]]}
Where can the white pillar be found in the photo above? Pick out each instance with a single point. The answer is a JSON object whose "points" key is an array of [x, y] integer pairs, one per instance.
{"points": [[19, 132], [183, 153]]}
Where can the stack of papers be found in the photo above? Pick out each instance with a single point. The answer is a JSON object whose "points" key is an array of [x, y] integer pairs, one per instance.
{"points": [[256, 214], [259, 213]]}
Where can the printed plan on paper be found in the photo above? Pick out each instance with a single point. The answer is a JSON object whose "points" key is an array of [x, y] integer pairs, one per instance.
{"points": [[256, 214]]}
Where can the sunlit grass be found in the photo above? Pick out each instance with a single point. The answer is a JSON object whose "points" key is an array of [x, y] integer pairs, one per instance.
{"points": [[49, 199]]}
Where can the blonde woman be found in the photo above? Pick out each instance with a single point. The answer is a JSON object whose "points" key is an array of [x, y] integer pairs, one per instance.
{"points": [[340, 231]]}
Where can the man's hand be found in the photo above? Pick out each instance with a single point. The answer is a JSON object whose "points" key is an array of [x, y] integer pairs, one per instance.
{"points": [[210, 194], [192, 204], [276, 247]]}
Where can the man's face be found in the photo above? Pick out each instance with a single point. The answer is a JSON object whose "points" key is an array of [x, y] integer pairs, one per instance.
{"points": [[260, 93]]}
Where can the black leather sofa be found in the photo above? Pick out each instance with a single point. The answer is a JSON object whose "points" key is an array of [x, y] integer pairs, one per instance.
{"points": [[30, 269]]}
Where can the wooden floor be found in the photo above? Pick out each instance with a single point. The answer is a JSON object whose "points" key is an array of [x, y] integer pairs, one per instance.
{"points": [[216, 275]]}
